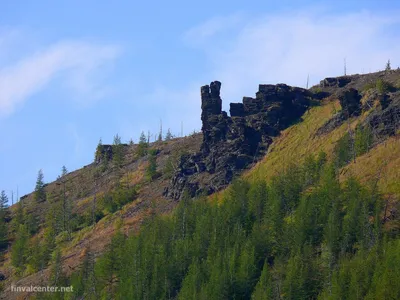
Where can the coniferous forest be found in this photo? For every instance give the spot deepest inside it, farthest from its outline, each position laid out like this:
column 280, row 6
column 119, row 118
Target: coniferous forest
column 300, row 236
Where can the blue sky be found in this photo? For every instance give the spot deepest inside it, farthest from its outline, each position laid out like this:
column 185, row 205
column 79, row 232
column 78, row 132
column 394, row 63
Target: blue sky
column 72, row 72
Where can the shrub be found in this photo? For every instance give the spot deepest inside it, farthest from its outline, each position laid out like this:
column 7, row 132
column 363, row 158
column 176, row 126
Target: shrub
column 383, row 86
column 362, row 140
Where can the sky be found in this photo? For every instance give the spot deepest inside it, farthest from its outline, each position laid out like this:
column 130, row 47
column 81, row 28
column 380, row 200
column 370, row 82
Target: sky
column 72, row 72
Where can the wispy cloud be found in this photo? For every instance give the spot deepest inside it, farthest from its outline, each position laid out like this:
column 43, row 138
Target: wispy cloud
column 72, row 61
column 285, row 47
column 210, row 28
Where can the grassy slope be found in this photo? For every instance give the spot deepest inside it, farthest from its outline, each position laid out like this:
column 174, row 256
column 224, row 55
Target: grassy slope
column 296, row 142
column 292, row 146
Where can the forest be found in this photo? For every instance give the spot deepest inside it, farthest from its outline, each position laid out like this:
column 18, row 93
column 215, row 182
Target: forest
column 303, row 235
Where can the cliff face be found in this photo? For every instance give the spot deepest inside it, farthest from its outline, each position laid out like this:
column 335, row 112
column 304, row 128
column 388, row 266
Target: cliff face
column 232, row 143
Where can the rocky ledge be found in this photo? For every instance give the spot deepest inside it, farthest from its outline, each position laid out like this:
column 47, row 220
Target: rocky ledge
column 232, row 143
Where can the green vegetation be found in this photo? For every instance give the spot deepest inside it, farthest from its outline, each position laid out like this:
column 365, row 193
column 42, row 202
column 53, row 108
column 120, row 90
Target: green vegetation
column 388, row 67
column 302, row 236
column 143, row 145
column 348, row 148
column 117, row 149
column 383, row 86
column 151, row 170
column 98, row 152
column 168, row 136
column 116, row 199
column 64, row 171
column 3, row 216
column 40, row 194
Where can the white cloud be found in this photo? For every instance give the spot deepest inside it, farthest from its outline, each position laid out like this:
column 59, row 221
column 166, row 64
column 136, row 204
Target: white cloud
column 73, row 61
column 285, row 47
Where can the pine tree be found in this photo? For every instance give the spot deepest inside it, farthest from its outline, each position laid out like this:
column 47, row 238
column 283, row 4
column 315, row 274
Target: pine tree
column 36, row 255
column 388, row 67
column 263, row 289
column 151, row 171
column 143, row 145
column 40, row 194
column 3, row 224
column 117, row 151
column 3, row 201
column 19, row 216
column 88, row 276
column 160, row 135
column 56, row 273
column 97, row 155
column 64, row 171
column 168, row 136
column 19, row 249
column 110, row 264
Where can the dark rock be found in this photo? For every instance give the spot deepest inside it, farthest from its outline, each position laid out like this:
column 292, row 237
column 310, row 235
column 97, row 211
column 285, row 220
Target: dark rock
column 2, row 277
column 231, row 144
column 385, row 121
column 350, row 100
column 236, row 110
column 335, row 82
column 384, row 100
column 331, row 124
column 105, row 153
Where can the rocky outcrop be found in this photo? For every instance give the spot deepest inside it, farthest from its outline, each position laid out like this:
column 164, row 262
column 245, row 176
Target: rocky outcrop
column 104, row 152
column 341, row 81
column 350, row 101
column 232, row 143
column 384, row 121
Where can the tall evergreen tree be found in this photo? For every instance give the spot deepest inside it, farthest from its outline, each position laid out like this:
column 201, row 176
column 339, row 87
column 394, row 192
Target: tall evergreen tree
column 98, row 153
column 160, row 134
column 3, row 224
column 143, row 145
column 19, row 248
column 64, row 171
column 388, row 67
column 3, row 201
column 40, row 194
column 151, row 170
column 117, row 151
column 168, row 136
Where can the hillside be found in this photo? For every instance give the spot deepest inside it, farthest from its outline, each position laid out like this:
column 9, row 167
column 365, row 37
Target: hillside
column 270, row 139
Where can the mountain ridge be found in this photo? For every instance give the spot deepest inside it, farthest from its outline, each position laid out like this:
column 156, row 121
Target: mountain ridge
column 285, row 144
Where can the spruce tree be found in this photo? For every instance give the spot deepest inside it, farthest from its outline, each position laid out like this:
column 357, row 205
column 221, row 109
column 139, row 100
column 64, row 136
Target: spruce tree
column 98, row 153
column 160, row 133
column 40, row 194
column 151, row 170
column 168, row 136
column 3, row 224
column 142, row 147
column 64, row 171
column 3, row 201
column 19, row 249
column 117, row 151
column 388, row 67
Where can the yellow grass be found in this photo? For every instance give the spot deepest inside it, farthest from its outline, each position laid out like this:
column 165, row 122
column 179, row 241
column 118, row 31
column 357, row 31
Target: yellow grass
column 300, row 140
column 381, row 163
column 296, row 142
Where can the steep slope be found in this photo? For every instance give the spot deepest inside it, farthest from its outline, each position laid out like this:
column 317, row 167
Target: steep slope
column 320, row 128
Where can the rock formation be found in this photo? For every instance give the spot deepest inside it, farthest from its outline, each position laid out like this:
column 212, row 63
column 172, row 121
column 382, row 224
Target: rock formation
column 104, row 152
column 335, row 81
column 350, row 101
column 232, row 143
